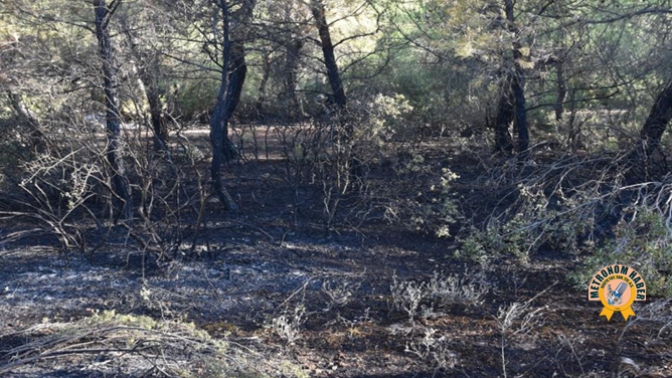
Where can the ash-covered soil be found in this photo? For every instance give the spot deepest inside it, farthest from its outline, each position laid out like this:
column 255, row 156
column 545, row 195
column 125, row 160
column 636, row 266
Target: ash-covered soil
column 271, row 281
column 349, row 326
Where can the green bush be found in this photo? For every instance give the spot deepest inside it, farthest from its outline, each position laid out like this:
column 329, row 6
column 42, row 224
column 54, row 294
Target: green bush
column 642, row 242
column 532, row 224
column 435, row 211
column 198, row 98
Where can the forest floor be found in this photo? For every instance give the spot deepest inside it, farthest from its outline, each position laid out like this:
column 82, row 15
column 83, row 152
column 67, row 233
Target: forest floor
column 259, row 266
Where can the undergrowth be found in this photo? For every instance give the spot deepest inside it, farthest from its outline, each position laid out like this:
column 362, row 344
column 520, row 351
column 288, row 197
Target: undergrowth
column 144, row 346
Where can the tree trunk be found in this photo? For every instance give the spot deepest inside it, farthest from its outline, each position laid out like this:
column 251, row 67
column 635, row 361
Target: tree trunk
column 520, row 117
column 120, row 187
column 318, row 10
column 217, row 138
column 518, row 84
column 562, row 90
column 236, row 68
column 237, row 76
column 340, row 100
column 148, row 74
column 263, row 84
column 659, row 117
column 158, row 118
column 150, row 90
column 236, row 80
column 220, row 115
column 504, row 118
column 293, row 51
column 574, row 135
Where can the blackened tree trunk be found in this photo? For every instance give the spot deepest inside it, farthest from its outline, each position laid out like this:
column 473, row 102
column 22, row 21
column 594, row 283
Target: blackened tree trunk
column 504, row 118
column 236, row 68
column 346, row 133
column 518, row 84
column 237, row 76
column 263, row 84
column 318, row 10
column 520, row 115
column 292, row 55
column 120, row 186
column 220, row 115
column 148, row 73
column 158, row 118
column 340, row 100
column 236, row 80
column 562, row 90
column 659, row 117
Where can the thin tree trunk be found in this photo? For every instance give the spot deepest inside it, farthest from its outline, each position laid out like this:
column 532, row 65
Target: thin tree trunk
column 573, row 137
column 293, row 51
column 340, row 100
column 518, row 84
column 120, row 185
column 263, row 84
column 150, row 89
column 236, row 80
column 158, row 118
column 148, row 74
column 504, row 118
column 219, row 117
column 236, row 67
column 659, row 117
column 237, row 76
column 520, row 117
column 318, row 10
column 562, row 90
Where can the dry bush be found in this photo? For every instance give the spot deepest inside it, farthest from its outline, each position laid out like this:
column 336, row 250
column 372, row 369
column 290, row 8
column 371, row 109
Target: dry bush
column 338, row 294
column 433, row 350
column 62, row 187
column 334, row 155
column 429, row 299
column 108, row 343
column 288, row 325
column 67, row 191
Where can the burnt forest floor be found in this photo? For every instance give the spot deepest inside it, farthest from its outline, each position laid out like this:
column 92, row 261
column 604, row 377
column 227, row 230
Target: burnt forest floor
column 333, row 293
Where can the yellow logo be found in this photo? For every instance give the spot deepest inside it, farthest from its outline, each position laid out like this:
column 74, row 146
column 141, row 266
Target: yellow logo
column 617, row 287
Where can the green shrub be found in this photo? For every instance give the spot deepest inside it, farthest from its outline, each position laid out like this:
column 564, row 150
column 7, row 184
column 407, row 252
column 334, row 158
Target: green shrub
column 642, row 242
column 387, row 117
column 198, row 98
column 533, row 223
column 497, row 240
column 434, row 211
